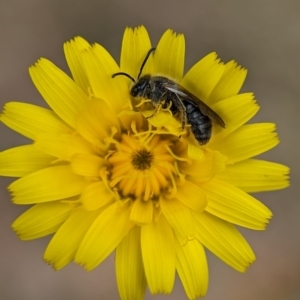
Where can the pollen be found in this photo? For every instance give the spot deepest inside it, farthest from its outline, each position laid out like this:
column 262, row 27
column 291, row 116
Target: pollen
column 142, row 159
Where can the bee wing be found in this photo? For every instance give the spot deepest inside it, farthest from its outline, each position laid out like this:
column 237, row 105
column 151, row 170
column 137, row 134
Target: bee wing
column 189, row 97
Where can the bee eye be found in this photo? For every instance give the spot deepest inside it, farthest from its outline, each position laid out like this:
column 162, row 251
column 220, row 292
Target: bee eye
column 139, row 88
column 135, row 90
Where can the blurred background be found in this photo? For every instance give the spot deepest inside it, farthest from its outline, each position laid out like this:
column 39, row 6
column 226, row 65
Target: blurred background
column 263, row 36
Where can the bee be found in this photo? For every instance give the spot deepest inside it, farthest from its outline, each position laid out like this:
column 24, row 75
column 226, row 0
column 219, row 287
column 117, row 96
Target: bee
column 166, row 93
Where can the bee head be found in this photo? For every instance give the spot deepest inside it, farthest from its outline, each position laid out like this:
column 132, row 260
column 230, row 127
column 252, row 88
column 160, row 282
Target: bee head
column 140, row 88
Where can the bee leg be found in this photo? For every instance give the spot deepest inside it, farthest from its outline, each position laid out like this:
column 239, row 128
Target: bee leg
column 183, row 119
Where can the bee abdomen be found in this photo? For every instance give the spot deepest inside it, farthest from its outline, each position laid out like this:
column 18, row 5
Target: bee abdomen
column 201, row 125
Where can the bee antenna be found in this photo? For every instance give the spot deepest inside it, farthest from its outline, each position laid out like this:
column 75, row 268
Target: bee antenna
column 145, row 60
column 122, row 73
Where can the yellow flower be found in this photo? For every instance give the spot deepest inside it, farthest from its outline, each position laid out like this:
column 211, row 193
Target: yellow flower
column 103, row 177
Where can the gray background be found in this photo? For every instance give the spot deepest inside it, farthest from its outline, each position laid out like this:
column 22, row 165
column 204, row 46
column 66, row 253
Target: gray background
column 262, row 35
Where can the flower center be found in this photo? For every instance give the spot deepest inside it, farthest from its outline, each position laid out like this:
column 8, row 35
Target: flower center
column 142, row 159
column 143, row 166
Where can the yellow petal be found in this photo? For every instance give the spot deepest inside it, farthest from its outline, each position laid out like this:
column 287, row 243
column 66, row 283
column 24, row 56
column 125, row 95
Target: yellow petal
column 247, row 141
column 41, row 219
column 230, row 83
column 96, row 121
column 73, row 52
column 129, row 117
column 100, row 66
column 63, row 146
column 169, row 55
column 254, row 175
column 87, row 164
column 23, row 160
column 142, row 212
column 201, row 79
column 64, row 245
column 101, row 240
column 212, row 163
column 96, row 195
column 235, row 112
column 179, row 217
column 235, row 206
column 135, row 45
column 192, row 196
column 224, row 240
column 191, row 265
column 129, row 267
column 30, row 120
column 158, row 251
column 62, row 94
column 48, row 184
column 195, row 152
